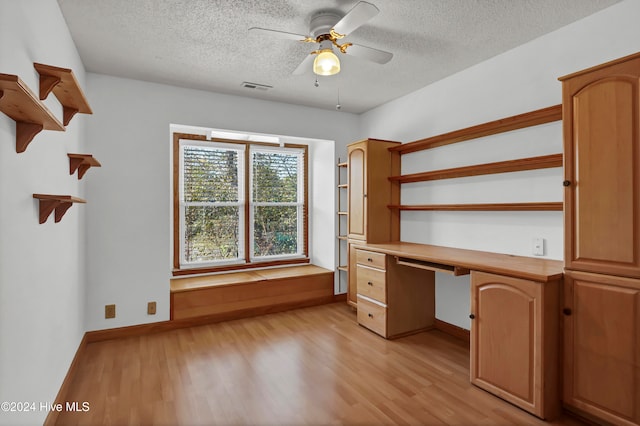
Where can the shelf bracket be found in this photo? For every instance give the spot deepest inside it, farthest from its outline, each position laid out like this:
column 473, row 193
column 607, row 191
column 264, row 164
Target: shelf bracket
column 47, row 83
column 67, row 114
column 25, row 132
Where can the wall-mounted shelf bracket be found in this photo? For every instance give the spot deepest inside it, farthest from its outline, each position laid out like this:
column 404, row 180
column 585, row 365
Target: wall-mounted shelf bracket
column 19, row 103
column 81, row 163
column 62, row 82
column 58, row 203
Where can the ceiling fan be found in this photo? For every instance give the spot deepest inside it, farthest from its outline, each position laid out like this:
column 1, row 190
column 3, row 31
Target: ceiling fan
column 327, row 29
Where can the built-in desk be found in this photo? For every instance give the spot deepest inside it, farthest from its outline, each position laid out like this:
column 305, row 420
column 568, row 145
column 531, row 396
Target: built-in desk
column 530, row 268
column 514, row 310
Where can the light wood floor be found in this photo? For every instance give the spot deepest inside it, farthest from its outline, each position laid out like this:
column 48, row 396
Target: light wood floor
column 308, row 366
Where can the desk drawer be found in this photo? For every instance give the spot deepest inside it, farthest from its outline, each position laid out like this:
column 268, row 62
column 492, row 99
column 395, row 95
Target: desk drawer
column 372, row 316
column 370, row 258
column 372, row 283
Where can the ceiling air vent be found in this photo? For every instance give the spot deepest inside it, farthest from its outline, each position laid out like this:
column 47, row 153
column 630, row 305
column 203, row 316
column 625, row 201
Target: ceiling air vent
column 256, row 86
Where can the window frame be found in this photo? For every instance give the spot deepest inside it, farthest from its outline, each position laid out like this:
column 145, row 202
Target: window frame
column 247, row 212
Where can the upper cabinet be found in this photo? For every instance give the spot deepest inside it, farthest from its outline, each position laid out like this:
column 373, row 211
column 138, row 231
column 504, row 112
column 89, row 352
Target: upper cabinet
column 602, row 167
column 370, row 191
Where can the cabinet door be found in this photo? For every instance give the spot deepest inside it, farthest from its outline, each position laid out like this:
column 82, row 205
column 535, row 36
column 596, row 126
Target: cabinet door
column 602, row 346
column 602, row 166
column 357, row 155
column 508, row 344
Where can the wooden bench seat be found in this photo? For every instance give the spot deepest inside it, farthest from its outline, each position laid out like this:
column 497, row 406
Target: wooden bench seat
column 248, row 293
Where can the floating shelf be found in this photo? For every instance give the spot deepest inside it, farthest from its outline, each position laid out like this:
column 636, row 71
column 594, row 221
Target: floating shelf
column 533, row 118
column 65, row 87
column 343, row 164
column 81, row 163
column 343, row 268
column 59, row 203
column 343, row 186
column 343, row 213
column 21, row 104
column 342, row 237
column 549, row 206
column 531, row 163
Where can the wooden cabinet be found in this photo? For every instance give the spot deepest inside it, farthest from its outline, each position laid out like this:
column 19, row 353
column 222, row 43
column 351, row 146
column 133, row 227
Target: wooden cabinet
column 370, row 191
column 602, row 168
column 601, row 108
column 602, row 346
column 393, row 299
column 370, row 164
column 514, row 340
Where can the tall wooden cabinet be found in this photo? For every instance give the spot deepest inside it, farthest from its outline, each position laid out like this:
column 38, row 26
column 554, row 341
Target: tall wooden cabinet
column 601, row 125
column 370, row 164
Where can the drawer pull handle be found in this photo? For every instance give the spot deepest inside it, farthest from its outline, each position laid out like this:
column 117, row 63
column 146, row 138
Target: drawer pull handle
column 369, row 259
column 369, row 282
column 370, row 315
column 472, row 316
column 566, row 311
column 566, row 183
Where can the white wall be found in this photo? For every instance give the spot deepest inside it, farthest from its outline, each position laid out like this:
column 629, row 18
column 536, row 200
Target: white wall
column 128, row 222
column 41, row 266
column 518, row 81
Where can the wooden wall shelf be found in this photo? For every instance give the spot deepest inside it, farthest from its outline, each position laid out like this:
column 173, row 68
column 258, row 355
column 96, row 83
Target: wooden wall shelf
column 19, row 103
column 548, row 206
column 81, row 163
column 58, row 203
column 65, row 87
column 533, row 118
column 531, row 163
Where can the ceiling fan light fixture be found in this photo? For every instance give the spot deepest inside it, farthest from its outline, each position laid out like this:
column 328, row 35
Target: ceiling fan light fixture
column 326, row 63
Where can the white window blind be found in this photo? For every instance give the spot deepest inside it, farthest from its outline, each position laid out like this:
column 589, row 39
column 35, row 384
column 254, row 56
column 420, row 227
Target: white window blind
column 212, row 203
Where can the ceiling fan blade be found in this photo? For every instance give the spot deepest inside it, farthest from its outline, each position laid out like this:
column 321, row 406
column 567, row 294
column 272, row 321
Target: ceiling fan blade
column 280, row 34
column 306, row 64
column 359, row 15
column 369, row 53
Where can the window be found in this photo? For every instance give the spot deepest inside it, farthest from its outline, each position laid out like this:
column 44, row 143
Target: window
column 238, row 204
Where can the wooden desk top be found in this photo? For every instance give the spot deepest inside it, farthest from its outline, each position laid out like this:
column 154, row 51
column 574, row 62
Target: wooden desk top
column 536, row 269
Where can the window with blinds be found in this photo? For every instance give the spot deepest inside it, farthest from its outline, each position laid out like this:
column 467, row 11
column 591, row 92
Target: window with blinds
column 239, row 204
column 212, row 200
column 277, row 201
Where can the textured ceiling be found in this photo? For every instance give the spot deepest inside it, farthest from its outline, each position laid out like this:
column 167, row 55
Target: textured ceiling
column 205, row 44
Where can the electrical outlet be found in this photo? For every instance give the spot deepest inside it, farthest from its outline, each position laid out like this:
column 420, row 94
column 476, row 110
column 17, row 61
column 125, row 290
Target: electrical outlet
column 151, row 308
column 538, row 247
column 109, row 311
